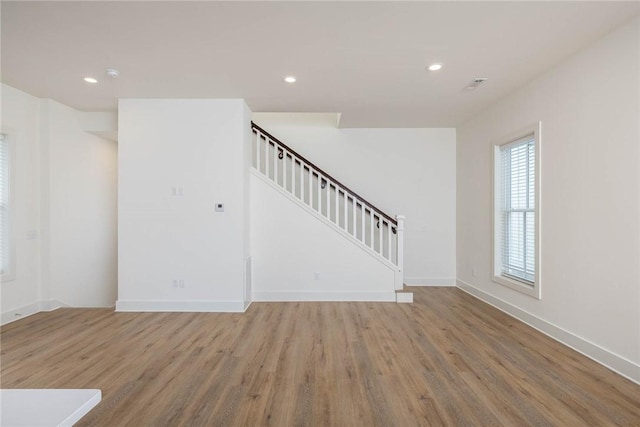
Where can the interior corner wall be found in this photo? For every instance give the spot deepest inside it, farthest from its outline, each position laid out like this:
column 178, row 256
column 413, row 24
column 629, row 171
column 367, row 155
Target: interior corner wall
column 590, row 196
column 64, row 197
column 402, row 171
column 82, row 212
column 178, row 158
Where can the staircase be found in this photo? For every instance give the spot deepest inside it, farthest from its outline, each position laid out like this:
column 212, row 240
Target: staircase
column 373, row 230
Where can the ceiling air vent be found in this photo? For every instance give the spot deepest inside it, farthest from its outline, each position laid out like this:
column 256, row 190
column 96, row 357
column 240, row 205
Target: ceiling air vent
column 475, row 83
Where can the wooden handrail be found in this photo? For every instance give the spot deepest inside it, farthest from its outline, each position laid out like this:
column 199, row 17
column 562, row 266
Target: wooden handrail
column 332, row 181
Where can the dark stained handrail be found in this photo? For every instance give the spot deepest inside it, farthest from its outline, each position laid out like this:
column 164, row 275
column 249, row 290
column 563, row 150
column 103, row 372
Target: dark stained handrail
column 332, row 181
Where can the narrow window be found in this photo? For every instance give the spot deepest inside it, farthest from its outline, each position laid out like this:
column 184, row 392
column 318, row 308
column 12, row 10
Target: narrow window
column 516, row 222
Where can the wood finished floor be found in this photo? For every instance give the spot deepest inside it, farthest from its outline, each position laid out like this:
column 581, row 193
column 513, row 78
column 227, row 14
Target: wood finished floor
column 447, row 359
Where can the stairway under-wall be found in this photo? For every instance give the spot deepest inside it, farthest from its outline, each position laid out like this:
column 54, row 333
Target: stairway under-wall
column 318, row 239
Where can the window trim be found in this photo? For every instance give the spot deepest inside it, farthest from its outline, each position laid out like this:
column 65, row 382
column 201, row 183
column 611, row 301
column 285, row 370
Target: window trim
column 11, row 274
column 534, row 289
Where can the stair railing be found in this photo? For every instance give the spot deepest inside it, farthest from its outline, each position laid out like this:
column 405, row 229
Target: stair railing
column 369, row 225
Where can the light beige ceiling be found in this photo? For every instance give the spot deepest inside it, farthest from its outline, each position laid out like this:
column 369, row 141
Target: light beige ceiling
column 365, row 60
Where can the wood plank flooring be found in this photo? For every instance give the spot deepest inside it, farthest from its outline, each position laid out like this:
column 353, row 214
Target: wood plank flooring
column 448, row 359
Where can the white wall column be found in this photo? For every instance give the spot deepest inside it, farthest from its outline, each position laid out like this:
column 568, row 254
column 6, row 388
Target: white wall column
column 178, row 159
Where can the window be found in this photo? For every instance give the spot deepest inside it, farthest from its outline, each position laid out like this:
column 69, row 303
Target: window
column 6, row 243
column 516, row 213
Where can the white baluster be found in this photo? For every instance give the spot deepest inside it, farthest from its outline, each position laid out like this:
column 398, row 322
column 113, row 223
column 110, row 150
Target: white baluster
column 319, row 194
column 354, row 206
column 293, row 175
column 363, row 218
column 284, row 169
column 346, row 212
column 327, row 189
column 276, row 161
column 373, row 246
column 302, row 181
column 267, row 157
column 310, row 187
column 380, row 242
column 258, row 146
column 389, row 234
column 337, row 207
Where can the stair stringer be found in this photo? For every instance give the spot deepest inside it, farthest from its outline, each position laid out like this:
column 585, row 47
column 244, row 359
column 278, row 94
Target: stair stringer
column 299, row 255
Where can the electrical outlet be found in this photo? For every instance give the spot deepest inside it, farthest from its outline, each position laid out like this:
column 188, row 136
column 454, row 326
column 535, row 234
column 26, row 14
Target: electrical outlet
column 219, row 207
column 177, row 191
column 174, row 283
column 181, row 283
column 316, row 276
column 474, row 272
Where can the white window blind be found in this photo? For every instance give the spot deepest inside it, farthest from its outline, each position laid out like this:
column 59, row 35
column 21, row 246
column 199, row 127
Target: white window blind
column 516, row 219
column 5, row 228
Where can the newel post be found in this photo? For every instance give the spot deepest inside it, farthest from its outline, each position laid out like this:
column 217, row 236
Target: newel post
column 400, row 252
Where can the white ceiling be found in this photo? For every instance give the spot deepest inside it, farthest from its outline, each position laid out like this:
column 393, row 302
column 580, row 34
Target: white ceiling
column 365, row 60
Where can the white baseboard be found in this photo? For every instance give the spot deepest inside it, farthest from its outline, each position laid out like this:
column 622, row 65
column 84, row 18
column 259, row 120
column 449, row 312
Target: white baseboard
column 616, row 363
column 182, row 306
column 404, row 297
column 20, row 313
column 324, row 296
column 51, row 305
column 29, row 310
column 430, row 281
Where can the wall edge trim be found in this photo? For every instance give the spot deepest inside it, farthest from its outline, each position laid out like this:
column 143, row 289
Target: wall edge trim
column 430, row 281
column 328, row 296
column 180, row 306
column 21, row 312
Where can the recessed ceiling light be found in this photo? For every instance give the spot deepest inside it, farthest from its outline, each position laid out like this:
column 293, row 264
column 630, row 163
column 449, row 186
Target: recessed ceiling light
column 290, row 79
column 435, row 67
column 90, row 80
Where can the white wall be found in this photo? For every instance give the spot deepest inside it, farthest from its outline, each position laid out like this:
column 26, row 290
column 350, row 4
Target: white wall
column 590, row 160
column 199, row 147
column 402, row 171
column 299, row 257
column 20, row 121
column 65, row 217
